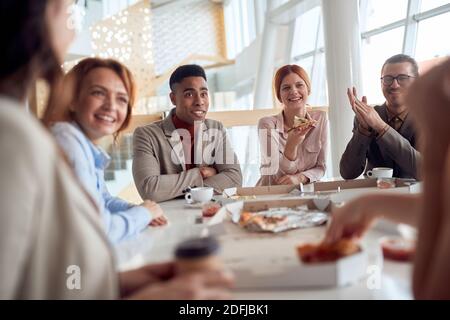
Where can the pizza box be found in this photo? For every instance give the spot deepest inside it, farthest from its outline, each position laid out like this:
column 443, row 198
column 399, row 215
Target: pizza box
column 409, row 184
column 289, row 272
column 261, row 205
column 235, row 207
column 258, row 191
column 270, row 261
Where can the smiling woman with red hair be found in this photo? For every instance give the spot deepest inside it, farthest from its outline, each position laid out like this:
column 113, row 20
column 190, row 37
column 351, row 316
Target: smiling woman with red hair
column 294, row 142
column 100, row 96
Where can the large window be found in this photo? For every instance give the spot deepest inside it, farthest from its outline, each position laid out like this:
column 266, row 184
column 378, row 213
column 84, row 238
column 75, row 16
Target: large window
column 430, row 43
column 308, row 52
column 431, row 4
column 240, row 25
column 382, row 12
column 306, row 32
column 386, row 32
column 375, row 50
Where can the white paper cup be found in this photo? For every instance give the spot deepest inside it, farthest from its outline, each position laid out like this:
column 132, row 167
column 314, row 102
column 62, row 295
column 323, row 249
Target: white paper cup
column 201, row 195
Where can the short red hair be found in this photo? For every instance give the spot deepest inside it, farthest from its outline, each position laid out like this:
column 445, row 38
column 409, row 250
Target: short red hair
column 288, row 69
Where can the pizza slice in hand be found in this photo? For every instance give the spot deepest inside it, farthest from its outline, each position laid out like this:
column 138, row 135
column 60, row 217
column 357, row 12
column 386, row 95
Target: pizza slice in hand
column 314, row 253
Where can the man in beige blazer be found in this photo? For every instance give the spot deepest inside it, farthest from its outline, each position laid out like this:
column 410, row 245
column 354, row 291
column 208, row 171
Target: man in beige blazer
column 185, row 149
column 384, row 136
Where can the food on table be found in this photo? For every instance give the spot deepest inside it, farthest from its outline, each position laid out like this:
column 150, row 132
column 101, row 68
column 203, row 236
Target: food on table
column 386, row 183
column 398, row 248
column 314, row 253
column 210, row 209
column 281, row 219
column 250, row 220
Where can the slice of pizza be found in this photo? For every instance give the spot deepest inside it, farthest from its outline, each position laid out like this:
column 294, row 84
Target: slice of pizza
column 315, row 253
column 260, row 222
column 245, row 218
column 300, row 122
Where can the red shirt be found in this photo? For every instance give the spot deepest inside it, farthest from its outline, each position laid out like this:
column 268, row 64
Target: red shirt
column 188, row 147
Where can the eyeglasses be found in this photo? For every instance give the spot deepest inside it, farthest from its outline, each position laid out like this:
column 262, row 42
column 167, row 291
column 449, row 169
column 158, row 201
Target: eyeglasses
column 402, row 79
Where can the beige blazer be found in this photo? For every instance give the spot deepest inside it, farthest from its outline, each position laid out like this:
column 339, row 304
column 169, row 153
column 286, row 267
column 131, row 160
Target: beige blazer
column 159, row 167
column 52, row 244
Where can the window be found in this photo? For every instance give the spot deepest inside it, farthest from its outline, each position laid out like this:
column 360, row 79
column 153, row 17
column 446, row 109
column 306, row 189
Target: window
column 251, row 20
column 430, row 40
column 305, row 34
column 306, row 64
column 382, row 12
column 375, row 50
column 240, row 25
column 431, row 4
column 229, row 31
column 319, row 85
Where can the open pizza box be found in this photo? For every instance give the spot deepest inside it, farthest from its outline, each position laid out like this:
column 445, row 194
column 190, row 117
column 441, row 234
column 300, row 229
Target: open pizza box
column 406, row 184
column 234, row 208
column 270, row 261
column 249, row 193
column 288, row 272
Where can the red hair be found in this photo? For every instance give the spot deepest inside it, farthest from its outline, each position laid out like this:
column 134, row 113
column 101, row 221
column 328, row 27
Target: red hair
column 60, row 110
column 288, row 69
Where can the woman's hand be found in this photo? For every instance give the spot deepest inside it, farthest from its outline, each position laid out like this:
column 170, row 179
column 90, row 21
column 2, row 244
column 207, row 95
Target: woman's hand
column 295, row 137
column 157, row 214
column 292, row 179
column 350, row 221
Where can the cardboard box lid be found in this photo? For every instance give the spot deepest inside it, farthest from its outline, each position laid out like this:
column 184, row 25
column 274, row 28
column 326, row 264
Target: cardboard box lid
column 358, row 183
column 260, row 190
column 261, row 205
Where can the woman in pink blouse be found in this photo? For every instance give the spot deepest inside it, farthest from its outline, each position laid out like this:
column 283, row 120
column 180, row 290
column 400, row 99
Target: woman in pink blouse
column 292, row 156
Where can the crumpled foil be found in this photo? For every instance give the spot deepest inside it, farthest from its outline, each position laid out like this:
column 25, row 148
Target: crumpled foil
column 281, row 219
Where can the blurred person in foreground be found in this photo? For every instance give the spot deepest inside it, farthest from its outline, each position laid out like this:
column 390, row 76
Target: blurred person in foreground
column 52, row 243
column 428, row 211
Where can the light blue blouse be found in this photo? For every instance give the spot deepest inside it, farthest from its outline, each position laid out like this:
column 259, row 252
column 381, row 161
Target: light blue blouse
column 121, row 218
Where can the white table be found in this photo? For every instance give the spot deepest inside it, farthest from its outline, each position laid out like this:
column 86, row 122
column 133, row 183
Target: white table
column 157, row 244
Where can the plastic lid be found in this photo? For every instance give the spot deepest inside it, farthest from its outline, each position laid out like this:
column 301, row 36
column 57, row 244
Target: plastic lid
column 197, row 248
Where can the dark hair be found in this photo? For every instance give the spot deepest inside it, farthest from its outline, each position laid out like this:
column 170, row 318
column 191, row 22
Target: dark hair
column 400, row 58
column 288, row 69
column 26, row 49
column 60, row 111
column 188, row 70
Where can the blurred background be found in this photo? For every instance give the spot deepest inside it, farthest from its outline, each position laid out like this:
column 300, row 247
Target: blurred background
column 241, row 43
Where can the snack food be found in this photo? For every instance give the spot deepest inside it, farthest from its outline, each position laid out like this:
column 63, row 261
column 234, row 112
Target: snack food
column 385, row 183
column 398, row 248
column 281, row 219
column 210, row 209
column 300, row 122
column 314, row 253
column 259, row 221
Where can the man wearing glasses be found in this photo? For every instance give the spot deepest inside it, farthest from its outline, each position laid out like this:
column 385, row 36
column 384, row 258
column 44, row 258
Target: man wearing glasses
column 384, row 136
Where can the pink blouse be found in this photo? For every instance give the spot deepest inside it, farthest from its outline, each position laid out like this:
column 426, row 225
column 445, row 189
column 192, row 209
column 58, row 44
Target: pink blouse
column 310, row 155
